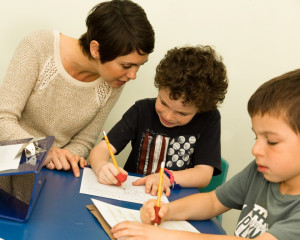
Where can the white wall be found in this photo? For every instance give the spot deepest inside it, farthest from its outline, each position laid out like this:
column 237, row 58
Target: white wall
column 258, row 39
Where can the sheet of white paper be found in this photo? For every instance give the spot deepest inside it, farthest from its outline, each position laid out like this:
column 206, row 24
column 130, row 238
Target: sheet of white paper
column 114, row 214
column 8, row 159
column 136, row 194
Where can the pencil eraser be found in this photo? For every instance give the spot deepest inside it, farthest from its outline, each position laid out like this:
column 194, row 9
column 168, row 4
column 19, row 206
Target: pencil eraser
column 121, row 178
column 157, row 218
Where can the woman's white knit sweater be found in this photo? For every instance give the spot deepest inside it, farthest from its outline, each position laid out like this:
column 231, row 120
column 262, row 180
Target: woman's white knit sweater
column 39, row 98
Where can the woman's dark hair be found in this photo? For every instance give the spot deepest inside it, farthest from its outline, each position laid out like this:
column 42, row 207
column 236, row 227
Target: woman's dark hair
column 120, row 27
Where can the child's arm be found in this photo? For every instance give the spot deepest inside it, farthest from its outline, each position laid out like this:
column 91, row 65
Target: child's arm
column 200, row 206
column 194, row 207
column 148, row 232
column 99, row 159
column 198, row 176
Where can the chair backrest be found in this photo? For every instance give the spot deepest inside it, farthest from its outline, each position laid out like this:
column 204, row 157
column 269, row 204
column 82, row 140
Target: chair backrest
column 217, row 180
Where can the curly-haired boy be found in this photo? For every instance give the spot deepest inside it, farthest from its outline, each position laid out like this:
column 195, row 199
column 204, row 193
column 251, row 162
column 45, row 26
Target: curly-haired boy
column 180, row 127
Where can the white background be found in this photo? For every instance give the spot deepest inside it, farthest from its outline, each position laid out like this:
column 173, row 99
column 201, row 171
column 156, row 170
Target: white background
column 258, row 39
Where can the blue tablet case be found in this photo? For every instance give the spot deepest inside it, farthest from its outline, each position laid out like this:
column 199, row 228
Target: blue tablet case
column 19, row 188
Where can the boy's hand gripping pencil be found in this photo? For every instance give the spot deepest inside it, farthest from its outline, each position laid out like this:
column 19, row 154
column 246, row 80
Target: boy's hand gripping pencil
column 157, row 219
column 120, row 177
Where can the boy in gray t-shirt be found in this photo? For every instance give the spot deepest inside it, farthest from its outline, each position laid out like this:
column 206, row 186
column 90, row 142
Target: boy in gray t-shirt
column 267, row 191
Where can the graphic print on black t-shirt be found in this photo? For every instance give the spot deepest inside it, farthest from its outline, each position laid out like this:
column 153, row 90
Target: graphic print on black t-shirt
column 180, row 151
column 155, row 148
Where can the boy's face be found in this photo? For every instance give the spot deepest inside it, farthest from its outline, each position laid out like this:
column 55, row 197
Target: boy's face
column 277, row 150
column 173, row 113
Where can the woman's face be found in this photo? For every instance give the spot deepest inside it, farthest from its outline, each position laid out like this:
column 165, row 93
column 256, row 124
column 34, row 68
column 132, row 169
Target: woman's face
column 122, row 69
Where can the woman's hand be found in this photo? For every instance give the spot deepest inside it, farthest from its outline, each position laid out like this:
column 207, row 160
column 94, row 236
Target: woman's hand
column 108, row 172
column 63, row 159
column 151, row 183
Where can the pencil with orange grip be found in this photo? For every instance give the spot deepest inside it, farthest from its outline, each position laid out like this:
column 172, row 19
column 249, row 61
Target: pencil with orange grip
column 120, row 177
column 157, row 219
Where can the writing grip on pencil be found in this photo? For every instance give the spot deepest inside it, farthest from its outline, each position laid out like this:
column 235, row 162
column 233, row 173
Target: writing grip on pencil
column 157, row 219
column 121, row 178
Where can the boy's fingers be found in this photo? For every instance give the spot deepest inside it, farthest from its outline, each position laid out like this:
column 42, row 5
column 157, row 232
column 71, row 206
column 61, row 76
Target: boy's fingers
column 154, row 190
column 168, row 192
column 148, row 186
column 123, row 171
column 139, row 182
column 163, row 211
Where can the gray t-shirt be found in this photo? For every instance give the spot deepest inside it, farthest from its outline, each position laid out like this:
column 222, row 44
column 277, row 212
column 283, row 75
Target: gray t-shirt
column 263, row 207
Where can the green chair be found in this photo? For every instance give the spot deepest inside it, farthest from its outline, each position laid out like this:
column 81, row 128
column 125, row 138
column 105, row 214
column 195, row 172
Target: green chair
column 217, row 181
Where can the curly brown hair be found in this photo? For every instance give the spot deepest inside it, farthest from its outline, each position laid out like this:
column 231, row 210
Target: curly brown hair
column 195, row 74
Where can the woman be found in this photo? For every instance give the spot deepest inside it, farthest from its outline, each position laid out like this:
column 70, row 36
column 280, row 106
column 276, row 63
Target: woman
column 65, row 87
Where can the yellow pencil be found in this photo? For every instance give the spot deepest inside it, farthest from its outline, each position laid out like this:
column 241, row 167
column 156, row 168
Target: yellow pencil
column 159, row 192
column 111, row 154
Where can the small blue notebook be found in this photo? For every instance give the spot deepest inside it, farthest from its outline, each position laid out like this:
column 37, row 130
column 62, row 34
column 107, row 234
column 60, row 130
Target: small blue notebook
column 19, row 188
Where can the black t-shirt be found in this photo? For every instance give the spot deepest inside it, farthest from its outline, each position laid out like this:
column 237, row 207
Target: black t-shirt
column 182, row 147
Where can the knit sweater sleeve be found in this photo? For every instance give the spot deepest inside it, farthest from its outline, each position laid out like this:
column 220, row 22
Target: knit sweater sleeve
column 85, row 140
column 20, row 78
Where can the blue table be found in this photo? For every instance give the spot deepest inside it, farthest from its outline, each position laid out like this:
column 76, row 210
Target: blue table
column 60, row 213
